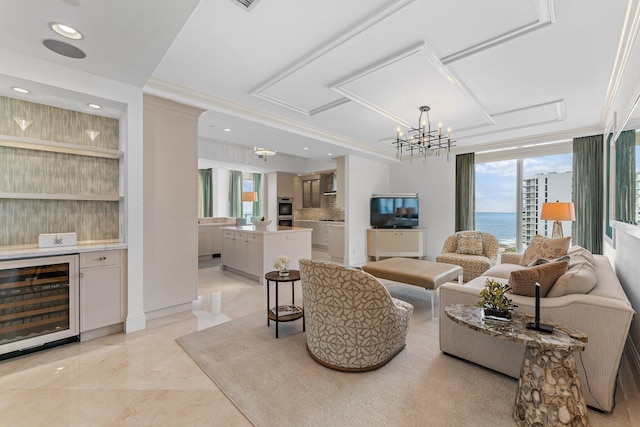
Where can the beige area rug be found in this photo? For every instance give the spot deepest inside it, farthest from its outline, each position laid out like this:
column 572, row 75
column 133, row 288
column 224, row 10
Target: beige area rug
column 274, row 382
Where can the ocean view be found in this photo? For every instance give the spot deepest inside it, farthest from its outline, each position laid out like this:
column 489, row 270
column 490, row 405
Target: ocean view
column 500, row 224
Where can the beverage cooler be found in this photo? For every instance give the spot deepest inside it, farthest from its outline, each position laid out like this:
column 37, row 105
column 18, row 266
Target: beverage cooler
column 38, row 303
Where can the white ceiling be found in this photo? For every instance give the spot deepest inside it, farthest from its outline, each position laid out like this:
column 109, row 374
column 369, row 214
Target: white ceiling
column 339, row 76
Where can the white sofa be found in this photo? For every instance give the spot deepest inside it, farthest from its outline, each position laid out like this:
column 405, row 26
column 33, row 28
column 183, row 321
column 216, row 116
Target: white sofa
column 604, row 314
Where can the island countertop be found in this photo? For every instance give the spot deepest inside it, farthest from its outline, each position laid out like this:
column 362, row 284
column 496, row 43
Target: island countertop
column 271, row 229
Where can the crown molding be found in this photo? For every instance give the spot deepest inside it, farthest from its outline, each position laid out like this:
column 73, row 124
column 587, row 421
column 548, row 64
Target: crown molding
column 188, row 96
column 626, row 45
column 546, row 16
column 334, row 43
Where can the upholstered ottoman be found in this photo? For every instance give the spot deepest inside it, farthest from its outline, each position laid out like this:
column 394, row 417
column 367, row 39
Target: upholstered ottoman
column 425, row 274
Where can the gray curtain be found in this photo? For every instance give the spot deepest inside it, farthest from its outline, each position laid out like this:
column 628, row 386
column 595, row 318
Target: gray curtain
column 206, row 202
column 625, row 203
column 588, row 154
column 257, row 187
column 465, row 191
column 235, row 194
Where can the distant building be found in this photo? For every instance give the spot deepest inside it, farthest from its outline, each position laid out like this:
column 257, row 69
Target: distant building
column 637, row 197
column 536, row 190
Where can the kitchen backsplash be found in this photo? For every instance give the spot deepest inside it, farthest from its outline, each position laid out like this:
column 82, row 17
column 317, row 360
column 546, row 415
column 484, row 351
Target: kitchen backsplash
column 316, row 214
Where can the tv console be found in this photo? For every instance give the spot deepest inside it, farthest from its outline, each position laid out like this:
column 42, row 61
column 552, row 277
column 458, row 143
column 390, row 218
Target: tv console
column 395, row 242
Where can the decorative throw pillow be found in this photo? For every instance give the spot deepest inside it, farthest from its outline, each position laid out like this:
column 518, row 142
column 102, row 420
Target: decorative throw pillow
column 470, row 244
column 523, row 282
column 581, row 278
column 545, row 261
column 543, row 247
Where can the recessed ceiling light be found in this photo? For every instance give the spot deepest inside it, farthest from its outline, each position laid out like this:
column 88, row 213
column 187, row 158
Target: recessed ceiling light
column 305, row 148
column 227, row 130
column 329, row 154
column 20, row 89
column 65, row 31
column 96, row 106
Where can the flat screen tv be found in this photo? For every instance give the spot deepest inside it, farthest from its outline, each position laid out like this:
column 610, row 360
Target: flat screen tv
column 394, row 211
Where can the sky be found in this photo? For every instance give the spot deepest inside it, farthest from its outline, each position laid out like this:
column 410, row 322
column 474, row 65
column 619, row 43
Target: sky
column 496, row 181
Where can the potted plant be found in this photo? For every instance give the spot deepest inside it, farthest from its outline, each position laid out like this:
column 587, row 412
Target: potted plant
column 494, row 301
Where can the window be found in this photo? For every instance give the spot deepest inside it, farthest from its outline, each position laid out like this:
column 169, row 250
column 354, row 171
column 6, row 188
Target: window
column 247, row 187
column 510, row 194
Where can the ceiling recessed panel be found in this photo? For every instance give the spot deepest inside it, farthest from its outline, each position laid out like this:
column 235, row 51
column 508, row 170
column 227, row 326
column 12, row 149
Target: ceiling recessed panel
column 520, row 118
column 397, row 88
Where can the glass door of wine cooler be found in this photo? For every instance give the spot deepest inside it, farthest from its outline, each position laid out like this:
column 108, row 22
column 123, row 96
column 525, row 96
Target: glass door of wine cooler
column 38, row 302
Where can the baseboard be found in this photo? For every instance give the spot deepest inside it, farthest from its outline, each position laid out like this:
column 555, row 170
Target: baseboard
column 101, row 332
column 135, row 323
column 633, row 360
column 167, row 311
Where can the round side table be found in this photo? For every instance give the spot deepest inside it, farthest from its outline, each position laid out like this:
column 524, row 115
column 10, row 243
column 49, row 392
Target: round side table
column 283, row 313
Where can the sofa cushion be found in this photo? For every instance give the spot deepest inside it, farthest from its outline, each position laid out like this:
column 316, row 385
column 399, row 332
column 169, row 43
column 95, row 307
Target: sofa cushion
column 543, row 247
column 579, row 279
column 470, row 244
column 578, row 253
column 523, row 282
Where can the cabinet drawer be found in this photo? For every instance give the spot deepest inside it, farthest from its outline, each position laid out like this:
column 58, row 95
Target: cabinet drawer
column 97, row 259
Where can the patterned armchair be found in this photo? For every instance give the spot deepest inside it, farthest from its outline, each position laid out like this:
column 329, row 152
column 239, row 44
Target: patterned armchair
column 352, row 323
column 474, row 251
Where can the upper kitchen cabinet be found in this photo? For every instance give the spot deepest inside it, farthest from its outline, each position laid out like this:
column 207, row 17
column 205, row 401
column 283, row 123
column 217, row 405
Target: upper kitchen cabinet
column 311, row 193
column 285, row 184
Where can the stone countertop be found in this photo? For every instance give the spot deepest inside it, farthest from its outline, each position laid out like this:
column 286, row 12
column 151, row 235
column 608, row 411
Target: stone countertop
column 515, row 329
column 328, row 221
column 10, row 254
column 271, row 229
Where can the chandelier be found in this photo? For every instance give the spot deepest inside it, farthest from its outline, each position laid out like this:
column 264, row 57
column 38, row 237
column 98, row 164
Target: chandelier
column 422, row 141
column 263, row 152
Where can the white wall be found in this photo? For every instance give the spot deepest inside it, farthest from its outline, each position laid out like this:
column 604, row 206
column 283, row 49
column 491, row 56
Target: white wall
column 434, row 181
column 363, row 177
column 170, row 201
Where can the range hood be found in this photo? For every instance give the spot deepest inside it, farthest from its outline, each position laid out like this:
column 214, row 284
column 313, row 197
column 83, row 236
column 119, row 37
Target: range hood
column 331, row 185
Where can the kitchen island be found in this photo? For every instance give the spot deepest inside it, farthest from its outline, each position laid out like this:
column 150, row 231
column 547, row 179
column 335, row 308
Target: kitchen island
column 251, row 251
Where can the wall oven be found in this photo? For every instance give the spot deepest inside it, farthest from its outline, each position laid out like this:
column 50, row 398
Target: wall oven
column 285, row 211
column 39, row 303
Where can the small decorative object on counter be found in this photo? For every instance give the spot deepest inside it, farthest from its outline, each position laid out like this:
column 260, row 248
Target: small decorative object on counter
column 282, row 265
column 494, row 301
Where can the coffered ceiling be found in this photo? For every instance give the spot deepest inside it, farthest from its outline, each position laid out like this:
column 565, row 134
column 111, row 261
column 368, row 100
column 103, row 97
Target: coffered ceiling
column 340, row 77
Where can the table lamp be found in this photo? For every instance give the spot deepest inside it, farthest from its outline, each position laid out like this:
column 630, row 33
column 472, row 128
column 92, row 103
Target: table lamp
column 249, row 196
column 557, row 211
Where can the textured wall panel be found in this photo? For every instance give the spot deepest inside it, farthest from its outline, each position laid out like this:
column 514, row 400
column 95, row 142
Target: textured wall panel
column 57, row 124
column 30, row 171
column 41, row 172
column 24, row 220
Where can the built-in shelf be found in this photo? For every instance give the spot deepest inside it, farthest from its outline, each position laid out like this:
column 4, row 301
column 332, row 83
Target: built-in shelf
column 42, row 196
column 58, row 147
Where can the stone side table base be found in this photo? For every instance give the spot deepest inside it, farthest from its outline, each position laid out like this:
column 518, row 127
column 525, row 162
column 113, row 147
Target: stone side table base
column 549, row 391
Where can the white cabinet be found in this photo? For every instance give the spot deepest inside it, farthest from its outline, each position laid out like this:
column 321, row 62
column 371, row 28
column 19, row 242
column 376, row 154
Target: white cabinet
column 320, row 233
column 395, row 243
column 253, row 252
column 336, row 243
column 102, row 282
column 210, row 239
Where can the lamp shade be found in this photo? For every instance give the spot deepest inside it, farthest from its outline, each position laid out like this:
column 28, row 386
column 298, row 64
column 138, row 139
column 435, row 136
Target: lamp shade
column 558, row 211
column 249, row 196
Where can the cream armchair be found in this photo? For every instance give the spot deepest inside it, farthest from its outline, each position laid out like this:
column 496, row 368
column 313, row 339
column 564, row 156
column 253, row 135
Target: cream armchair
column 352, row 323
column 474, row 251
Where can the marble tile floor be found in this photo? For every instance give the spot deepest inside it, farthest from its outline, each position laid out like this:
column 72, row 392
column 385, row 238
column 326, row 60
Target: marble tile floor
column 138, row 379
column 142, row 378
